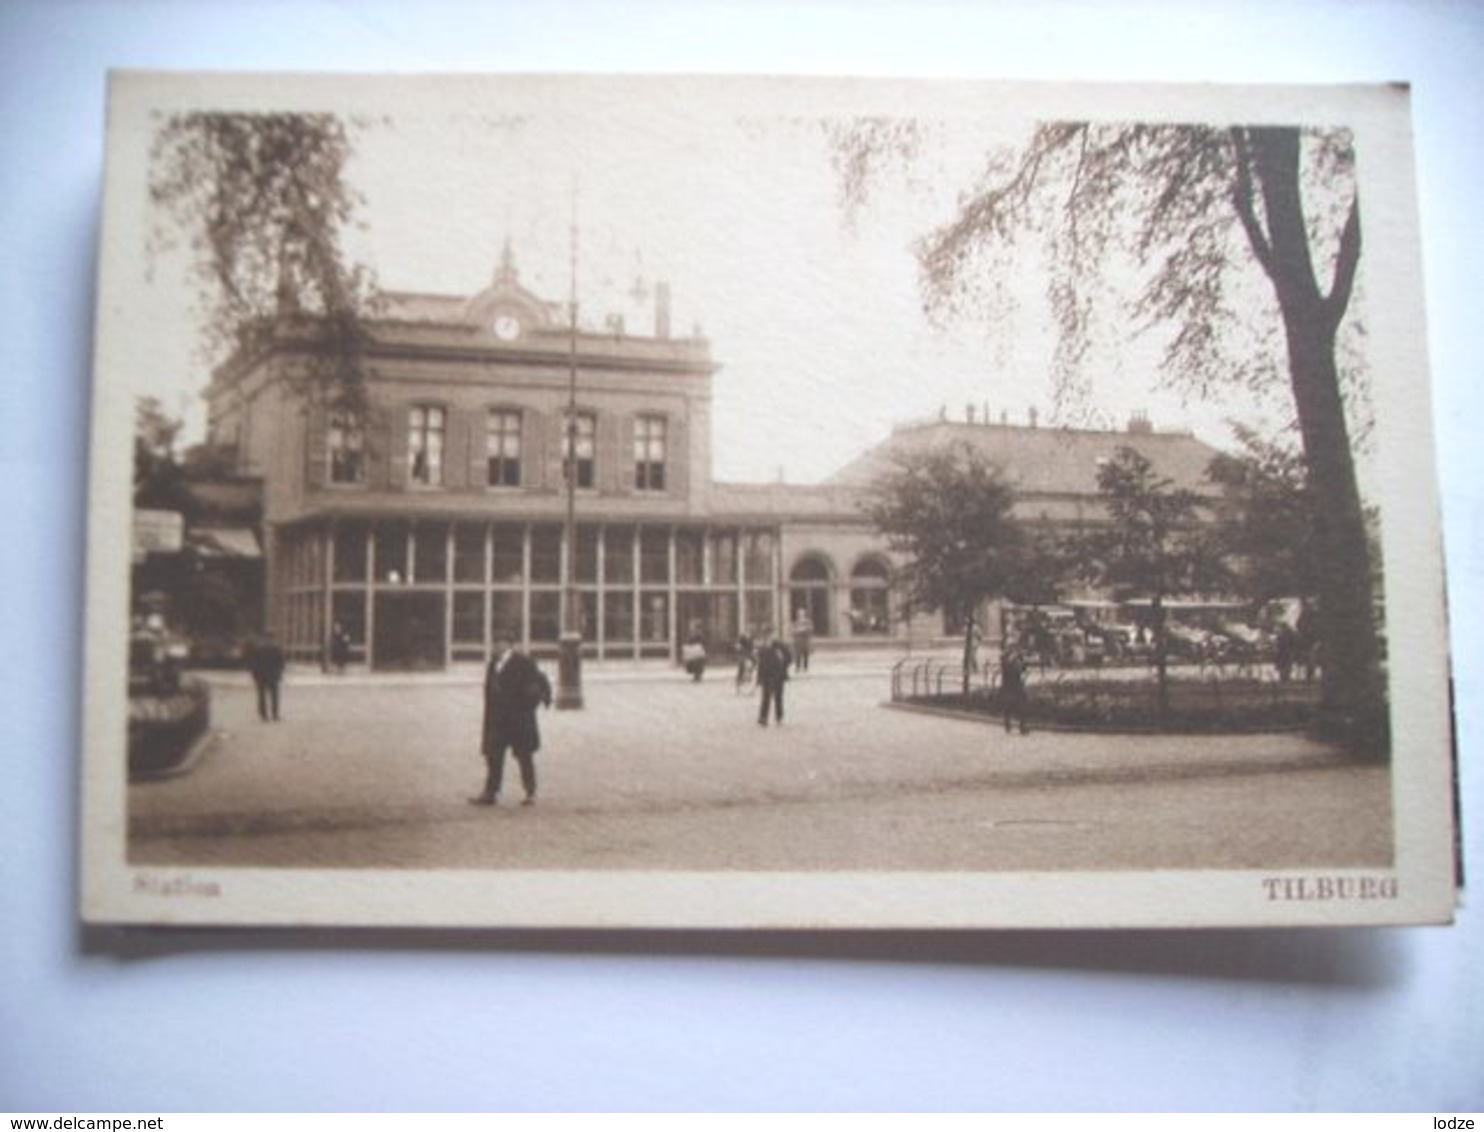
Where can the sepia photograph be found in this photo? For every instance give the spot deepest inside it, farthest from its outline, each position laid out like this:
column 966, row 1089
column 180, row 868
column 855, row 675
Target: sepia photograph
column 762, row 503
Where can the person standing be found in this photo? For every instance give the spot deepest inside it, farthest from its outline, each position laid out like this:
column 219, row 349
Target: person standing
column 773, row 663
column 339, row 647
column 514, row 687
column 746, row 660
column 693, row 654
column 1013, row 696
column 266, row 662
column 1285, row 651
column 972, row 636
column 803, row 639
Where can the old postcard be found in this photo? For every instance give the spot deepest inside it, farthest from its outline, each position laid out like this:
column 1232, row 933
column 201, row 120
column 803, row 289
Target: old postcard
column 761, row 503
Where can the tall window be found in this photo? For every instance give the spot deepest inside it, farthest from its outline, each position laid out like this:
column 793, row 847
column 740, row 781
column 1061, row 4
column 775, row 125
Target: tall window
column 584, row 438
column 346, row 448
column 649, row 453
column 425, row 427
column 347, row 444
column 502, row 448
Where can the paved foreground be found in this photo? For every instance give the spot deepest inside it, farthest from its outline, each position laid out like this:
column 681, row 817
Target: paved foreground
column 657, row 772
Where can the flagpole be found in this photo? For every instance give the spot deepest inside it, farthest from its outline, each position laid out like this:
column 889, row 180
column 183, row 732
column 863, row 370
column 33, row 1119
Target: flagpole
column 569, row 664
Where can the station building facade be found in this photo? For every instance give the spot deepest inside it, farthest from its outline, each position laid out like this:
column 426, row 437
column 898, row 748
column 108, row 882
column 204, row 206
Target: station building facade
column 435, row 514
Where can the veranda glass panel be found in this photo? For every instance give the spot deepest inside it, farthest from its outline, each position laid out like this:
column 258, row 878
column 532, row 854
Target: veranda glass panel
column 654, row 556
column 350, row 552
column 546, row 554
column 468, row 552
column 468, row 618
column 689, row 558
column 618, row 617
column 430, row 553
column 546, row 609
column 507, row 558
column 724, row 559
column 505, row 615
column 391, row 553
column 758, row 547
column 760, row 613
column 587, row 554
column 618, row 554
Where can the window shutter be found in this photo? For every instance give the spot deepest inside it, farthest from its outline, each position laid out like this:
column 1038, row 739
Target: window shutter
column 534, row 473
column 317, row 445
column 623, row 464
column 455, row 449
column 677, row 455
column 607, row 450
column 396, row 447
column 475, row 432
column 377, row 448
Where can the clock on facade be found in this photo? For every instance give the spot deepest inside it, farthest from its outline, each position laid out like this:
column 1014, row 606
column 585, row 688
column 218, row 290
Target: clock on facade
column 507, row 327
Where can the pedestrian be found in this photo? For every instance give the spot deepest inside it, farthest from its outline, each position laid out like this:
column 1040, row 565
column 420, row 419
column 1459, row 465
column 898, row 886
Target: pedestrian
column 803, row 639
column 514, row 687
column 339, row 647
column 746, row 659
column 1285, row 651
column 266, row 662
column 972, row 636
column 693, row 654
column 1307, row 647
column 1014, row 699
column 773, row 662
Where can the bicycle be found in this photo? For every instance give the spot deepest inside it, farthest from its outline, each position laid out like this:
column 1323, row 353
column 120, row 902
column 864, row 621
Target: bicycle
column 746, row 672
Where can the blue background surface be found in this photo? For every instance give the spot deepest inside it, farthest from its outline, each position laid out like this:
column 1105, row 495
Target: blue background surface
column 302, row 1021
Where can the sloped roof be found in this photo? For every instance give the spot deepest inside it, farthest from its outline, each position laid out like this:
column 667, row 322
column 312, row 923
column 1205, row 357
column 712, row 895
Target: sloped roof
column 1055, row 461
column 407, row 306
column 237, row 500
column 790, row 501
column 225, row 542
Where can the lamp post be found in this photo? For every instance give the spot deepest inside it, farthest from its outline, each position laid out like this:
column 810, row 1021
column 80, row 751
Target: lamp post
column 569, row 662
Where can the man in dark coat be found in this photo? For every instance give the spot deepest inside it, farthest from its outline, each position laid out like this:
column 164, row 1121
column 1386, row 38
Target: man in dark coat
column 265, row 660
column 773, row 661
column 514, row 687
column 1014, row 699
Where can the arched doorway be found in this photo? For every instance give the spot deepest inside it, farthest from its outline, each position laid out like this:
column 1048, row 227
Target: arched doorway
column 809, row 592
column 870, row 606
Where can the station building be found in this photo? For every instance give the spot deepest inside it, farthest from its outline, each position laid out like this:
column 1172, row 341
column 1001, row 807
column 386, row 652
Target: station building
column 436, row 514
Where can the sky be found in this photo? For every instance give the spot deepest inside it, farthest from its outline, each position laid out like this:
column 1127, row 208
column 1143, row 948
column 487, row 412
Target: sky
column 813, row 311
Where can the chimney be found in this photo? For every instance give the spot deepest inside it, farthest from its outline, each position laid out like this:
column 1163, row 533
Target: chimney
column 1138, row 423
column 969, row 412
column 662, row 310
column 1032, row 416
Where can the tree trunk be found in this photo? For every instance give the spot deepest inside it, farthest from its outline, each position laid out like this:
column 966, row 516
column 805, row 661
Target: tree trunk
column 1351, row 699
column 1161, row 657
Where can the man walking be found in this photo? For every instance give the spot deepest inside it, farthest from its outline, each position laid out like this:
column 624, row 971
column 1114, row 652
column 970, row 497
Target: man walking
column 773, row 662
column 266, row 662
column 1013, row 696
column 514, row 687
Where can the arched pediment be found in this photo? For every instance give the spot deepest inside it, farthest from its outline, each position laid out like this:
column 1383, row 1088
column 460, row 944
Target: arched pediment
column 506, row 309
